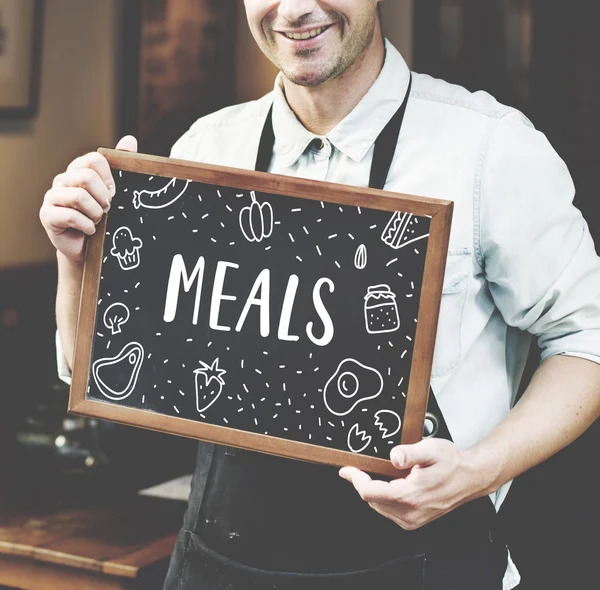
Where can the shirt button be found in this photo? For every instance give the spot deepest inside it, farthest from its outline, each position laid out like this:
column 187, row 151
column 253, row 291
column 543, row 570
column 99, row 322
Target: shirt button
column 317, row 143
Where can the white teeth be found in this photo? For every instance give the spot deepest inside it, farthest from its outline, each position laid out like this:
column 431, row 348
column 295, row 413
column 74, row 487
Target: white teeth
column 306, row 35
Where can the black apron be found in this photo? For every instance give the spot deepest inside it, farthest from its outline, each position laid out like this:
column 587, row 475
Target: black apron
column 258, row 522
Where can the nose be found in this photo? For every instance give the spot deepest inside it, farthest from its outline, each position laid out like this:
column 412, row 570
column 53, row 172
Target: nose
column 294, row 10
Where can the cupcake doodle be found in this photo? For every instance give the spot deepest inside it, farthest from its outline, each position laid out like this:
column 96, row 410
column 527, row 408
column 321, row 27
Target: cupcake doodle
column 126, row 248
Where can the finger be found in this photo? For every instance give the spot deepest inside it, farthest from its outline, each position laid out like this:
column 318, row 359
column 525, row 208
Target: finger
column 75, row 198
column 97, row 162
column 128, row 144
column 353, row 474
column 370, row 490
column 88, row 179
column 60, row 219
column 408, row 456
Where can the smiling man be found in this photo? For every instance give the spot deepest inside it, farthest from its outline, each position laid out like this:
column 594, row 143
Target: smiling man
column 346, row 109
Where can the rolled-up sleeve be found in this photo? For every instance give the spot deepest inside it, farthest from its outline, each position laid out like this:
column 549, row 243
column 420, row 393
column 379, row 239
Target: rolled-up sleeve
column 64, row 373
column 535, row 247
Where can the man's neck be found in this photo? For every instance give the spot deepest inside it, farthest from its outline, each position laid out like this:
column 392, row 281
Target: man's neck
column 322, row 107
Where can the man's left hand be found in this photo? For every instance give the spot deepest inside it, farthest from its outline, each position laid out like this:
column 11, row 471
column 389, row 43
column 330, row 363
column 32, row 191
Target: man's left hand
column 438, row 477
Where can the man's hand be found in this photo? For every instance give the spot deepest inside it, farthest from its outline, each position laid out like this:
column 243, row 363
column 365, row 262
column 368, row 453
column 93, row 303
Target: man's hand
column 440, row 478
column 72, row 208
column 77, row 200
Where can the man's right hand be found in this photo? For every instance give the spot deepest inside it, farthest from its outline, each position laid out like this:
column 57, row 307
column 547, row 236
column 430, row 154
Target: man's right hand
column 77, row 200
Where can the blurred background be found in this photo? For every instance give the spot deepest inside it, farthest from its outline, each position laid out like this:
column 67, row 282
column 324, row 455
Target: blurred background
column 78, row 74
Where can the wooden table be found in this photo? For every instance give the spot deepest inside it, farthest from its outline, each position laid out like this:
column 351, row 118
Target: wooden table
column 111, row 546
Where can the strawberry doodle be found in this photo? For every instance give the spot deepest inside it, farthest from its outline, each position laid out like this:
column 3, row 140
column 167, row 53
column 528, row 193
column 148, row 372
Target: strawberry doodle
column 209, row 384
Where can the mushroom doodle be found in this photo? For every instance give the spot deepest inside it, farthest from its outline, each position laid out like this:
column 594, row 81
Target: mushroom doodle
column 115, row 316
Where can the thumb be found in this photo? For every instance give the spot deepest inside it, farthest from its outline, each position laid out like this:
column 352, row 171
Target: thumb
column 408, row 456
column 128, row 144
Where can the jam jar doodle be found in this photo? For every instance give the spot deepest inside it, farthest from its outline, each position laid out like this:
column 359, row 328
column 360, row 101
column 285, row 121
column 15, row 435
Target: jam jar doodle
column 381, row 310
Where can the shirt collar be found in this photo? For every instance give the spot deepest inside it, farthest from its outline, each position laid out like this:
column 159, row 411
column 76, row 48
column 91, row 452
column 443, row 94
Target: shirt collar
column 357, row 132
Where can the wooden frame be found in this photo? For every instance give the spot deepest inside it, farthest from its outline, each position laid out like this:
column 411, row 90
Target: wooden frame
column 20, row 57
column 439, row 211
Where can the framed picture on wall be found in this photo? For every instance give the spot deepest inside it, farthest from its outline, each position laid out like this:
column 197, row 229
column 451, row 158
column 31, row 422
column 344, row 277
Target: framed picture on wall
column 20, row 55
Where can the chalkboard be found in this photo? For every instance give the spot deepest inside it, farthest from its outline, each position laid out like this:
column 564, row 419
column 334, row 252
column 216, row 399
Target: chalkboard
column 282, row 315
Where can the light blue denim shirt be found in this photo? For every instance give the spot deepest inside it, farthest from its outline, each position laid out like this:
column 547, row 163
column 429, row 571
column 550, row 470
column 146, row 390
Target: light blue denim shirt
column 521, row 263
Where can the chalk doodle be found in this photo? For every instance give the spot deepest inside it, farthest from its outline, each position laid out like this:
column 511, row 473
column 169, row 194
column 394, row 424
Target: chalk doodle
column 126, row 248
column 360, row 258
column 401, row 230
column 108, row 372
column 351, row 384
column 381, row 310
column 115, row 316
column 207, row 392
column 358, row 440
column 388, row 422
column 256, row 220
column 163, row 197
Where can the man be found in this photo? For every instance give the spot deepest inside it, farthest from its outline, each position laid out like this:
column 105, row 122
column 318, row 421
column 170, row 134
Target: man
column 521, row 263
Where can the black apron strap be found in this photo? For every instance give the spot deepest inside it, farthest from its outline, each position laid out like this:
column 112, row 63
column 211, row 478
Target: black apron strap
column 266, row 144
column 385, row 146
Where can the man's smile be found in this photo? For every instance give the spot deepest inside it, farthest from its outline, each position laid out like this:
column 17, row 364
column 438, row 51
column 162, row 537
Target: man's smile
column 304, row 34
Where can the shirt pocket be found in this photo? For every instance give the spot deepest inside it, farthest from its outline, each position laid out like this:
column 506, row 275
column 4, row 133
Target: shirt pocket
column 454, row 295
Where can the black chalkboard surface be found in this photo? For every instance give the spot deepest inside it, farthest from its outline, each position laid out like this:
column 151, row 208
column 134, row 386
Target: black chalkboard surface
column 282, row 315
